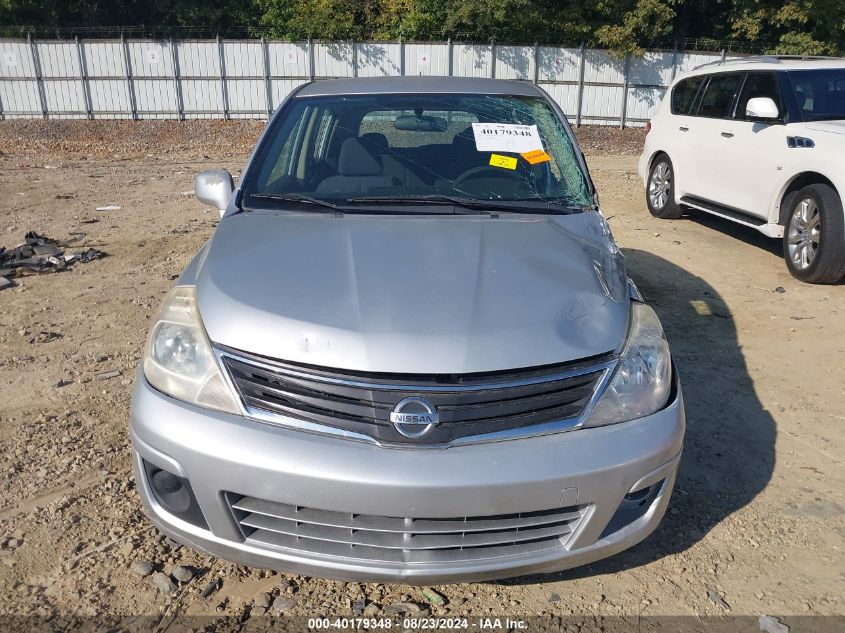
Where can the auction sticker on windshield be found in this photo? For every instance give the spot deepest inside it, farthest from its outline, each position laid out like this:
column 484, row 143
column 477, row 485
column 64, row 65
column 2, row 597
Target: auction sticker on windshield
column 508, row 162
column 506, row 137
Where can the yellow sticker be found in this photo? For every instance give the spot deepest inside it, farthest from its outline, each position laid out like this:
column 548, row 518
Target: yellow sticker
column 497, row 160
column 536, row 157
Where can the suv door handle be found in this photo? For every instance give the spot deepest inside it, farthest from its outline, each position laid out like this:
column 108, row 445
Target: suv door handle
column 684, row 128
column 728, row 134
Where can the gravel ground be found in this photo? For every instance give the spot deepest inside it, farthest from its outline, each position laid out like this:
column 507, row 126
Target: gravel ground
column 757, row 519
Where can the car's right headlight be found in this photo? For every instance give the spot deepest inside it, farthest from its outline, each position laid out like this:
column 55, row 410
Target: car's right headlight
column 178, row 360
column 642, row 380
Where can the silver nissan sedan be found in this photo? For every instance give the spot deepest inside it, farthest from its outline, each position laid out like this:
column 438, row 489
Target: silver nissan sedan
column 410, row 352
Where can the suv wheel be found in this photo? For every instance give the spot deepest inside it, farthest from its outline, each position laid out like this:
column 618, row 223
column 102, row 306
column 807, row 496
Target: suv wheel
column 814, row 240
column 660, row 191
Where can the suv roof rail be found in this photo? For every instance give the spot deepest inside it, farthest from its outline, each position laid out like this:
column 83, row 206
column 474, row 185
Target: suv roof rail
column 762, row 59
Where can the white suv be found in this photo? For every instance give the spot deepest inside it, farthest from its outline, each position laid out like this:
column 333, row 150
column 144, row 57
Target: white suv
column 760, row 141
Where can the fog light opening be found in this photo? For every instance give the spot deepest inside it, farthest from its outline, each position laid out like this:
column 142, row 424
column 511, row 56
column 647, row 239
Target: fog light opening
column 640, row 496
column 174, row 494
column 170, row 492
column 634, row 506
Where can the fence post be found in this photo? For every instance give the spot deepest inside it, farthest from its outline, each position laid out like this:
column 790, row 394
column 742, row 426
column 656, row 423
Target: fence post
column 268, row 83
column 177, row 81
column 536, row 62
column 83, row 77
column 129, row 82
column 580, row 87
column 223, row 86
column 310, row 58
column 401, row 57
column 354, row 58
column 625, row 92
column 449, row 55
column 492, row 58
column 39, row 78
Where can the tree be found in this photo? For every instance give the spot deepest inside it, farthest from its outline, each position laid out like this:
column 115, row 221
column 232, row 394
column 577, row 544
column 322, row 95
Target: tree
column 630, row 26
column 799, row 27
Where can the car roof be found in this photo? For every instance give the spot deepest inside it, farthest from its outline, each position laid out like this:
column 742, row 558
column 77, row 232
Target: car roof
column 769, row 63
column 423, row 85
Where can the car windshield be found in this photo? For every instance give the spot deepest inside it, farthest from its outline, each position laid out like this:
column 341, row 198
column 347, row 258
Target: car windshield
column 417, row 149
column 820, row 93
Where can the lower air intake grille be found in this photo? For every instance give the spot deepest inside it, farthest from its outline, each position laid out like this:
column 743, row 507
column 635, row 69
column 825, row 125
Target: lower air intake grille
column 401, row 540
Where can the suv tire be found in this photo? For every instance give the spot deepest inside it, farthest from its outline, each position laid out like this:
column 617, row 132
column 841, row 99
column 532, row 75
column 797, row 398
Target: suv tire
column 814, row 235
column 660, row 190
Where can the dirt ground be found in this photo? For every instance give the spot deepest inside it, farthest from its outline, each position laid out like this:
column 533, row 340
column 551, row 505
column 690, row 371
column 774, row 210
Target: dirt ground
column 757, row 521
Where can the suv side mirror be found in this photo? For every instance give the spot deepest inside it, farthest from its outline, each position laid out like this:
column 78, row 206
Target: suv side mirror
column 762, row 109
column 214, row 187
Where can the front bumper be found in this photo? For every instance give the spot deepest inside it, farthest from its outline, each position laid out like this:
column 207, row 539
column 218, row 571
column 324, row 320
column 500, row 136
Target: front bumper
column 219, row 452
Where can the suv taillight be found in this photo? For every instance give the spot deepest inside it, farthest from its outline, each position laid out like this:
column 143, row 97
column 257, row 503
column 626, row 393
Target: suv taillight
column 647, row 128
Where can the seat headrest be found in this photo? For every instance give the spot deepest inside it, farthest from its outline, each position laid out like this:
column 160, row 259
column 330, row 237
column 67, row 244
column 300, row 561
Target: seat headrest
column 355, row 160
column 374, row 141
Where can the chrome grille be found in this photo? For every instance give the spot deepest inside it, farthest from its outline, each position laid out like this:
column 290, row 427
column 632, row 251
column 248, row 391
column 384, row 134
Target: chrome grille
column 401, row 540
column 467, row 404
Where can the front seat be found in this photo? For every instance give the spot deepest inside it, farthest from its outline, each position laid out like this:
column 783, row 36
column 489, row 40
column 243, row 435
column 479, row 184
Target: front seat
column 358, row 171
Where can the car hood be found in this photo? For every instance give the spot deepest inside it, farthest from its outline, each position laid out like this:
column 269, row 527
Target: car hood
column 437, row 294
column 834, row 127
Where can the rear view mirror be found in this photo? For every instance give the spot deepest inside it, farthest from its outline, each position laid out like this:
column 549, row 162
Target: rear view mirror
column 214, row 187
column 420, row 123
column 762, row 109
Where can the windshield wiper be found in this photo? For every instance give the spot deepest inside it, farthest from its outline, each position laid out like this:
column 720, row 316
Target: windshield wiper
column 298, row 198
column 476, row 205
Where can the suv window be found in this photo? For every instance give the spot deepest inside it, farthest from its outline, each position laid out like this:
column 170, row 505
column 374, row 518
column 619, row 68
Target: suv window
column 684, row 93
column 718, row 96
column 820, row 93
column 758, row 85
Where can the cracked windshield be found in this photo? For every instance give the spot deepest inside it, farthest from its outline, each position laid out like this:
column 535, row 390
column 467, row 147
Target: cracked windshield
column 416, row 149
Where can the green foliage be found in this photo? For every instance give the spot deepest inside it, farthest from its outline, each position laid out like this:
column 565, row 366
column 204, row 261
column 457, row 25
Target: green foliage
column 793, row 27
column 626, row 27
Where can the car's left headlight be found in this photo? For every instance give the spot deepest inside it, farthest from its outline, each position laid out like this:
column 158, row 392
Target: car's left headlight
column 642, row 380
column 178, row 360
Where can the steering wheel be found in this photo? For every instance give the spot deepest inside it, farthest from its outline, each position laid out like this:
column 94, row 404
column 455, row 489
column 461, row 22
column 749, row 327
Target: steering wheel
column 475, row 172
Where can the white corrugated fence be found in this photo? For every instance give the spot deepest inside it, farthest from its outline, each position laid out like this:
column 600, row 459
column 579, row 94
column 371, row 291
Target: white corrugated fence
column 226, row 79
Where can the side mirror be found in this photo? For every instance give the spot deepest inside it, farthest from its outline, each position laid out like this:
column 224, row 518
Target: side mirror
column 762, row 109
column 214, row 187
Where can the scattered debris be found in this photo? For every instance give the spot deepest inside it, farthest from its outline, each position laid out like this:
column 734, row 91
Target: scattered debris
column 716, row 598
column 5, row 282
column 108, row 207
column 770, row 624
column 141, row 568
column 210, row 588
column 41, row 254
column 114, row 373
column 63, row 382
column 554, row 598
column 433, row 597
column 44, row 337
column 780, row 290
column 263, row 600
column 358, row 606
